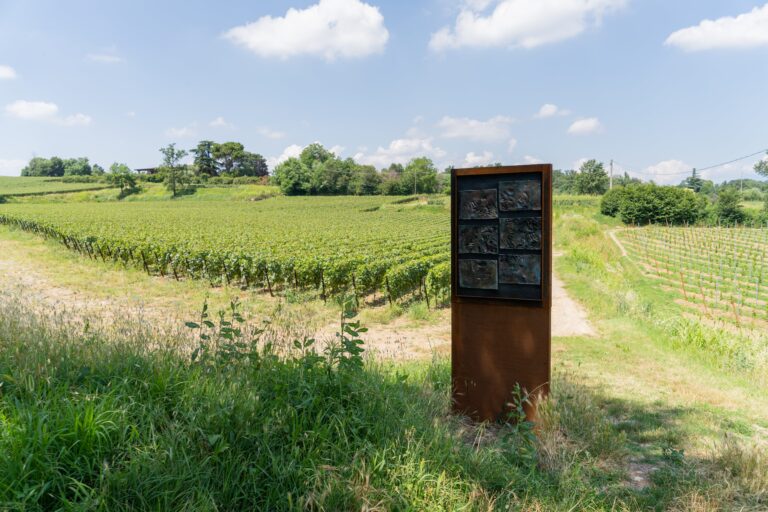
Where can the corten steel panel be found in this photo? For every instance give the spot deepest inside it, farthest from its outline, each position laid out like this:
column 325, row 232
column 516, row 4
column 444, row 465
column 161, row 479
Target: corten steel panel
column 498, row 341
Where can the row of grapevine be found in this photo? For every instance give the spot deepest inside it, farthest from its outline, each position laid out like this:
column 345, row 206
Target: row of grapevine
column 721, row 272
column 329, row 245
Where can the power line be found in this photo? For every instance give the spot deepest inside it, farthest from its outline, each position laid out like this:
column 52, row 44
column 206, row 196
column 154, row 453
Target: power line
column 734, row 160
column 680, row 173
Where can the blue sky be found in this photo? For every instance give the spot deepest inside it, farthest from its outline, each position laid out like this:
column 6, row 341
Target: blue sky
column 658, row 86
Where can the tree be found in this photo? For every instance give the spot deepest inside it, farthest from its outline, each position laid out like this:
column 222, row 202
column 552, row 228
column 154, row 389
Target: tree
column 293, row 177
column 77, row 167
column 420, row 176
column 38, row 166
column 204, row 159
column 332, row 176
column 592, row 178
column 761, row 167
column 694, row 182
column 97, row 170
column 564, row 182
column 176, row 175
column 251, row 164
column 728, row 207
column 227, row 155
column 625, row 180
column 313, row 153
column 365, row 181
column 57, row 166
column 120, row 175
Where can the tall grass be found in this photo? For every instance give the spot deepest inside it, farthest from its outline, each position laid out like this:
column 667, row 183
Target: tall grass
column 100, row 419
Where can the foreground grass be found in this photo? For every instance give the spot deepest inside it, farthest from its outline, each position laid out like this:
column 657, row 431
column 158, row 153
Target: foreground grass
column 109, row 424
column 126, row 419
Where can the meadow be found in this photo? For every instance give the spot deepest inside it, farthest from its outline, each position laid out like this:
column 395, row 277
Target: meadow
column 661, row 409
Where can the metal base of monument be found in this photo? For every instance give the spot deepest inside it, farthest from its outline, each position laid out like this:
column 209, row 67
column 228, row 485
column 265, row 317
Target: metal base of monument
column 501, row 254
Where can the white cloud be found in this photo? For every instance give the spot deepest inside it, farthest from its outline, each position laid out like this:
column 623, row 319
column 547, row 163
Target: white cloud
column 667, row 172
column 292, row 151
column 183, row 132
column 32, row 110
column 130, row 113
column 401, row 151
column 473, row 159
column 528, row 159
column 550, row 110
column 7, row 73
column 44, row 111
column 337, row 150
column 330, row 29
column 521, row 23
column 585, row 126
column 748, row 30
column 220, row 122
column 269, row 133
column 494, row 129
column 11, row 166
column 511, row 145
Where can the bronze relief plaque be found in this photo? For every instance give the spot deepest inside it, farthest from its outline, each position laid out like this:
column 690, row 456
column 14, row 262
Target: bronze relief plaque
column 478, row 240
column 520, row 269
column 521, row 233
column 480, row 274
column 478, row 204
column 520, row 195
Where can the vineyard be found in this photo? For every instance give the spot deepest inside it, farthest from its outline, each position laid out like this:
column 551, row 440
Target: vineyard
column 15, row 186
column 362, row 245
column 719, row 273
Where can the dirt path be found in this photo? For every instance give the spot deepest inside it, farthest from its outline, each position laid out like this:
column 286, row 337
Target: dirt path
column 612, row 234
column 401, row 338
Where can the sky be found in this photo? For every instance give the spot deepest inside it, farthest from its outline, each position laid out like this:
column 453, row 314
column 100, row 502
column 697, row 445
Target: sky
column 659, row 87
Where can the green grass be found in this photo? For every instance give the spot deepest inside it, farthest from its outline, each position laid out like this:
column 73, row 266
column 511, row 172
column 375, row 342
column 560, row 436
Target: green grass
column 156, row 192
column 753, row 206
column 93, row 421
column 13, row 186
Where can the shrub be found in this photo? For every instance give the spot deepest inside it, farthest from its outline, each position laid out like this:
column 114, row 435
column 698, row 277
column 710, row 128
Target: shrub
column 653, row 204
column 611, row 201
column 728, row 209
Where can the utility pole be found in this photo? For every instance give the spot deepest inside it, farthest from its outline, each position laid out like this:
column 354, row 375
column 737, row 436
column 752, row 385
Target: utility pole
column 610, row 183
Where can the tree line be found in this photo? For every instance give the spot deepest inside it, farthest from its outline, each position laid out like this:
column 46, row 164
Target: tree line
column 318, row 171
column 57, row 167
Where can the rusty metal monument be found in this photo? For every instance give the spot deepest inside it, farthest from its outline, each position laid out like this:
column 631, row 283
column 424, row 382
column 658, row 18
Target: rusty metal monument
column 501, row 298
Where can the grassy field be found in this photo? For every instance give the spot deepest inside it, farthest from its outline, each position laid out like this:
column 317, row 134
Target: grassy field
column 649, row 414
column 22, row 186
column 154, row 192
